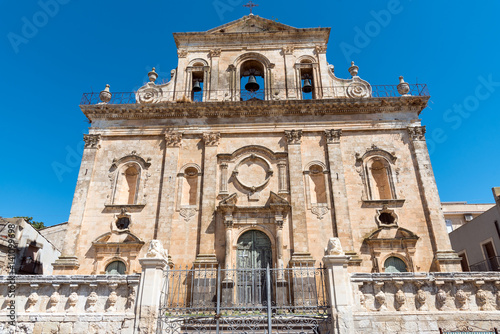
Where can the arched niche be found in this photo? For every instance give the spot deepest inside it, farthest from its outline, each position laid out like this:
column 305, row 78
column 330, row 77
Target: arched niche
column 317, row 190
column 188, row 190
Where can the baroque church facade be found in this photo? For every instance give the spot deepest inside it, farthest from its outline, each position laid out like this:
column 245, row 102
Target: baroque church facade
column 255, row 153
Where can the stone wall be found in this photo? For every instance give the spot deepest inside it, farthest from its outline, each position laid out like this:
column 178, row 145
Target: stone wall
column 71, row 304
column 423, row 303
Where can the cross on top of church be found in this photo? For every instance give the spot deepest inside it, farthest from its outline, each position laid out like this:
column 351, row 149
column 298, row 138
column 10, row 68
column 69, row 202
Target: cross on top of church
column 250, row 5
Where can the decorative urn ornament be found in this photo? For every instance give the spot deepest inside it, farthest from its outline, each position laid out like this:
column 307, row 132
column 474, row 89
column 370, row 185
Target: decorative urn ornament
column 152, row 75
column 353, row 69
column 105, row 95
column 403, row 87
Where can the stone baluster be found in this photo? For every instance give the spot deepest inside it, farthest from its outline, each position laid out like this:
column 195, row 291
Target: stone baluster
column 482, row 297
column 54, row 299
column 380, row 297
column 92, row 299
column 112, row 298
column 33, row 298
column 400, row 297
column 461, row 297
column 73, row 298
column 421, row 297
column 441, row 296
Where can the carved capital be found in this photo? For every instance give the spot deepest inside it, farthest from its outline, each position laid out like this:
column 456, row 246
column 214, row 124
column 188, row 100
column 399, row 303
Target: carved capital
column 333, row 136
column 173, row 139
column 215, row 52
column 288, row 50
column 320, row 49
column 92, row 141
column 293, row 137
column 417, row 133
column 182, row 53
column 211, row 138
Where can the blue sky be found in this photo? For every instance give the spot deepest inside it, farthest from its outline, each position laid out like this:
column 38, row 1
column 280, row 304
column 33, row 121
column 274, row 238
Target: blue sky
column 51, row 54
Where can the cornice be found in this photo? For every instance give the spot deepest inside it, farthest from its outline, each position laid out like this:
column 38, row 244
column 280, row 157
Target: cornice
column 172, row 110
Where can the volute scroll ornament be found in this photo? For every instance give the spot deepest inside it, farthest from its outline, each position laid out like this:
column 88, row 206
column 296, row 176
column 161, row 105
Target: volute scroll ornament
column 333, row 136
column 293, row 137
column 150, row 94
column 211, row 138
column 92, row 141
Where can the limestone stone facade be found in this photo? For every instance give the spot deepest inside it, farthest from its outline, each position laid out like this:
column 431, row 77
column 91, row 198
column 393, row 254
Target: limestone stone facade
column 198, row 168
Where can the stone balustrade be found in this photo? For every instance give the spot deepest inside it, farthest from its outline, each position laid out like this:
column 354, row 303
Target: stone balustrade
column 424, row 302
column 72, row 304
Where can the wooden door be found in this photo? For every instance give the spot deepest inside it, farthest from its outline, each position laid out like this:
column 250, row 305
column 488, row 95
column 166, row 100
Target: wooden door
column 253, row 256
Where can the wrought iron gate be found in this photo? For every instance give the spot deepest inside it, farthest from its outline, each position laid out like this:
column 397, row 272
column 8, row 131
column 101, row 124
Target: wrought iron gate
column 214, row 300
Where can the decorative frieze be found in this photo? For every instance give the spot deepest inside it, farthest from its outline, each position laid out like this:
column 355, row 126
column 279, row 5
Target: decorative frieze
column 293, row 137
column 417, row 133
column 211, row 138
column 173, row 139
column 92, row 141
column 333, row 136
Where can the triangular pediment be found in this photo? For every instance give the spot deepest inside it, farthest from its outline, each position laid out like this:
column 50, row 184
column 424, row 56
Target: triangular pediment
column 250, row 24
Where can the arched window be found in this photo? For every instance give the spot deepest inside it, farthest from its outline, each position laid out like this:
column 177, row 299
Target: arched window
column 394, row 264
column 127, row 185
column 116, row 268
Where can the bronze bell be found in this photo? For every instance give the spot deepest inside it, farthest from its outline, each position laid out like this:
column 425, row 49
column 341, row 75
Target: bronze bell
column 307, row 88
column 196, row 86
column 252, row 84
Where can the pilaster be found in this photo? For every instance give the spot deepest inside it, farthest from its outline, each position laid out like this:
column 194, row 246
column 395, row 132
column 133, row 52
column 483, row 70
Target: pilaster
column 301, row 253
column 444, row 256
column 206, row 250
column 214, row 74
column 166, row 207
column 67, row 263
column 342, row 227
column 290, row 72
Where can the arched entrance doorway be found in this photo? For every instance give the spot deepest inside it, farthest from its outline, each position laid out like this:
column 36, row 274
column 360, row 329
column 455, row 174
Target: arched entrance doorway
column 254, row 254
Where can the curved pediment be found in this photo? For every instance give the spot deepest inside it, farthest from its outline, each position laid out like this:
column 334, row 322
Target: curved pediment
column 118, row 238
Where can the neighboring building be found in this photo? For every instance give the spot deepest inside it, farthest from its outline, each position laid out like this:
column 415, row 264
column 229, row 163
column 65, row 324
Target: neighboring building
column 478, row 241
column 55, row 234
column 457, row 214
column 35, row 254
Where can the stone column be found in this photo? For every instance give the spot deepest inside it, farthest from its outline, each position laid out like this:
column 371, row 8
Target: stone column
column 223, row 179
column 339, row 288
column 150, row 288
column 444, row 256
column 214, row 74
column 206, row 250
column 67, row 263
column 341, row 217
column 283, row 186
column 166, row 207
column 228, row 281
column 301, row 255
column 291, row 92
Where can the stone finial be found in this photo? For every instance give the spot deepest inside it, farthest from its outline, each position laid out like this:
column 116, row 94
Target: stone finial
column 153, row 75
column 105, row 95
column 403, row 87
column 156, row 250
column 334, row 247
column 353, row 69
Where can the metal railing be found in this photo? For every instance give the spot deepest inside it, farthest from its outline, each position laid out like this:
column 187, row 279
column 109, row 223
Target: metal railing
column 493, row 331
column 212, row 299
column 490, row 264
column 262, row 94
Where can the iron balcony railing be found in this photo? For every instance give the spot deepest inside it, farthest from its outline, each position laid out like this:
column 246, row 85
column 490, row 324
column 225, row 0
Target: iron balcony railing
column 490, row 264
column 262, row 94
column 493, row 331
